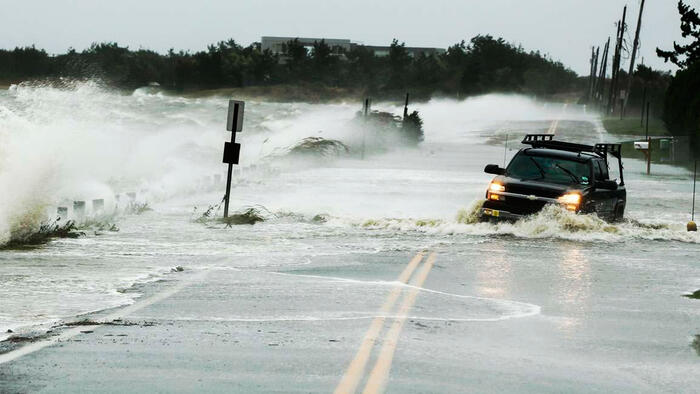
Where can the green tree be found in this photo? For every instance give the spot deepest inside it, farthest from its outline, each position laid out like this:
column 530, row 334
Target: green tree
column 682, row 103
column 399, row 60
column 324, row 63
column 296, row 58
column 685, row 55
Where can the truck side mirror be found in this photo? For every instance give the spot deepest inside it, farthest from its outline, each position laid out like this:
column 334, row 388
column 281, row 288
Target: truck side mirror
column 494, row 169
column 609, row 185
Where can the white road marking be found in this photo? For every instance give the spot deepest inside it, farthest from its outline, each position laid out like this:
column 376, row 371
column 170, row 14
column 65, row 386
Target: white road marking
column 70, row 333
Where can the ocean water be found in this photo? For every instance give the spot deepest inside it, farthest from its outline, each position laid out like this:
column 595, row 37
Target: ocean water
column 82, row 141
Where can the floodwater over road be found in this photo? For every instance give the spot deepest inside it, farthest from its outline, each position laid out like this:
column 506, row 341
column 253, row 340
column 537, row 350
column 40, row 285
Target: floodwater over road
column 365, row 273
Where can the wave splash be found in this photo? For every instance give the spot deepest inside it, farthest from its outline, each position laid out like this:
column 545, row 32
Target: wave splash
column 552, row 222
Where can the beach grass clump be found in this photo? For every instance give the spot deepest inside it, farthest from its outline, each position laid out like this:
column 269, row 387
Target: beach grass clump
column 247, row 216
column 31, row 236
column 318, row 146
column 137, row 208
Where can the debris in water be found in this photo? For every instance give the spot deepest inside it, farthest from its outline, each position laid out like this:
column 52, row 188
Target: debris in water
column 98, row 224
column 115, row 322
column 177, row 269
column 696, row 344
column 320, row 218
column 137, row 208
column 207, row 215
column 248, row 216
column 84, row 322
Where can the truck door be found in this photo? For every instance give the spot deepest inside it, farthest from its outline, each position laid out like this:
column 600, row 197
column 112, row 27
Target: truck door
column 605, row 199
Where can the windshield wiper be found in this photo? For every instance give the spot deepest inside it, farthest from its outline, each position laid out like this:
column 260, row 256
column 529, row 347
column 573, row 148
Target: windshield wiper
column 569, row 173
column 539, row 167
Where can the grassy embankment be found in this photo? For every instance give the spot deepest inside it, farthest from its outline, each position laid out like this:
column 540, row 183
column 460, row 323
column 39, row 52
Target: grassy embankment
column 632, row 127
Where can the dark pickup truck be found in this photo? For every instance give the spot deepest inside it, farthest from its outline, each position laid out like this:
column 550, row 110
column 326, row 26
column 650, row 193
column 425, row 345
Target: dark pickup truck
column 574, row 176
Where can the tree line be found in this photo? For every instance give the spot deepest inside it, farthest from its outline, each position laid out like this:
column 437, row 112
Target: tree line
column 484, row 64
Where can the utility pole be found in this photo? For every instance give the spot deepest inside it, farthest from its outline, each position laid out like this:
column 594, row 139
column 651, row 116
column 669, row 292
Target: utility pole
column 613, row 73
column 603, row 73
column 594, row 75
column 634, row 55
column 617, row 61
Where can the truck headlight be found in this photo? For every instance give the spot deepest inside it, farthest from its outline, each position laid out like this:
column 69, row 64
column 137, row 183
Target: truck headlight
column 496, row 187
column 571, row 201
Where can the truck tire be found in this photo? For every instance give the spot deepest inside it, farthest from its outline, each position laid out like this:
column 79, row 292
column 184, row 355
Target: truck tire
column 619, row 212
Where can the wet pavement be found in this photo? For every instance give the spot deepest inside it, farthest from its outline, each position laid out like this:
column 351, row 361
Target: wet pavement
column 366, row 275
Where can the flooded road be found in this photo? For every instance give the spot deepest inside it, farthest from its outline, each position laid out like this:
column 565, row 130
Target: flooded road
column 365, row 274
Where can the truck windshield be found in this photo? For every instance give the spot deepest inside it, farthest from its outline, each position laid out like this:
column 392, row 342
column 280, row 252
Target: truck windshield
column 549, row 169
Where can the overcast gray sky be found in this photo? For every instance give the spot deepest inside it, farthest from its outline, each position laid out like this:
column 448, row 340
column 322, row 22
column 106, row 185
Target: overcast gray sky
column 565, row 29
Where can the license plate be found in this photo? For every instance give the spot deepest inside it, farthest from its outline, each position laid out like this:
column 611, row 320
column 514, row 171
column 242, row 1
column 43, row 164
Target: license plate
column 492, row 212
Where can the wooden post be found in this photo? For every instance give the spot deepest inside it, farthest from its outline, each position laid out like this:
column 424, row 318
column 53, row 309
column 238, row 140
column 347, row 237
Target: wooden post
column 364, row 129
column 648, row 155
column 648, row 104
column 405, row 107
column 695, row 175
column 644, row 100
column 634, row 55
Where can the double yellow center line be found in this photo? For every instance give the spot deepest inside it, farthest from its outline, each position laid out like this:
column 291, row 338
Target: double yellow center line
column 555, row 123
column 379, row 374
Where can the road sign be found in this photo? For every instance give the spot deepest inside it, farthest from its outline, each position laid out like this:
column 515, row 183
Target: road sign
column 235, row 115
column 232, row 152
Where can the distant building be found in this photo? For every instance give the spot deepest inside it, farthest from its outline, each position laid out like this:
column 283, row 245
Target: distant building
column 339, row 46
column 276, row 44
column 412, row 51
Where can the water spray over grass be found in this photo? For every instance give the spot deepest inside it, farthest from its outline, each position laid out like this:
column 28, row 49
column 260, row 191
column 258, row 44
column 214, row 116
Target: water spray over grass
column 23, row 237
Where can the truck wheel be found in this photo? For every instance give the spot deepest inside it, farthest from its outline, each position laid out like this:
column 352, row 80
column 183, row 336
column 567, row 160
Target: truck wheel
column 619, row 212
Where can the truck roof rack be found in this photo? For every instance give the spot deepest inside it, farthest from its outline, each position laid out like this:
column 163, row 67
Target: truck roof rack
column 602, row 150
column 547, row 141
